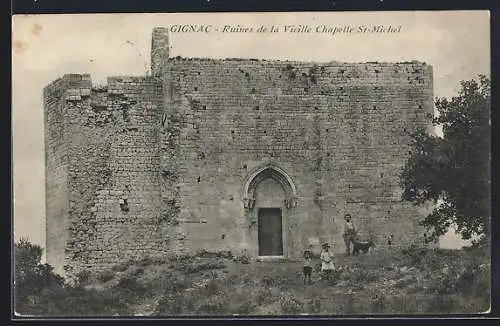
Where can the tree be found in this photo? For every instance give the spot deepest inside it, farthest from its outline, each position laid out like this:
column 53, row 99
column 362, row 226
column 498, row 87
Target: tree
column 27, row 256
column 41, row 292
column 454, row 171
column 32, row 278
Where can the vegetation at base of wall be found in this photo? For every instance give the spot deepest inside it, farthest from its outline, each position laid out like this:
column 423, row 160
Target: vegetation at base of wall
column 410, row 280
column 38, row 291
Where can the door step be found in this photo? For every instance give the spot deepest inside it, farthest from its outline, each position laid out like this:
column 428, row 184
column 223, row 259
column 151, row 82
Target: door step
column 271, row 258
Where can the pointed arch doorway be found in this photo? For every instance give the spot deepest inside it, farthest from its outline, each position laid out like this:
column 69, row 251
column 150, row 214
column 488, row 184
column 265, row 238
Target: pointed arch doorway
column 269, row 197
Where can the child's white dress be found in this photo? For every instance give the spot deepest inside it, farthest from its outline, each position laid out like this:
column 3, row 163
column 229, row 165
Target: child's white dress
column 327, row 261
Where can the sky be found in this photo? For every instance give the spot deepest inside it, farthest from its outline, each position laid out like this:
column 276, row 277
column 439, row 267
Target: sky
column 45, row 47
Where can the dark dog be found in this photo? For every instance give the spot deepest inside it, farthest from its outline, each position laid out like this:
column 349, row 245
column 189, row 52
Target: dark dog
column 363, row 246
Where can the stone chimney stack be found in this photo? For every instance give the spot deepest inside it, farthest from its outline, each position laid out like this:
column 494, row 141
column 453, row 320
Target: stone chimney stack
column 159, row 50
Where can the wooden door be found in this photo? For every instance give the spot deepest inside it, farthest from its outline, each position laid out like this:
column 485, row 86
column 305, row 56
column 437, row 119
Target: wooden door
column 270, row 232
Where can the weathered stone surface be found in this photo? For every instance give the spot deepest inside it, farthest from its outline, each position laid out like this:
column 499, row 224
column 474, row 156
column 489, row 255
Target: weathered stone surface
column 170, row 162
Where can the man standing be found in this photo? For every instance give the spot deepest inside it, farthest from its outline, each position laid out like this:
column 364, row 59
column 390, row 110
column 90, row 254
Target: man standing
column 350, row 234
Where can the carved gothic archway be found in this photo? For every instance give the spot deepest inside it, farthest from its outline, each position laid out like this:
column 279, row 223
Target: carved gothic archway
column 269, row 170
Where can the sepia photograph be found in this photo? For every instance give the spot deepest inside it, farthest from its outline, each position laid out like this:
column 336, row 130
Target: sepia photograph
column 251, row 164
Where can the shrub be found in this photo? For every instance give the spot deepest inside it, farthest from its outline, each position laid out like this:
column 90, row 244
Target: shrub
column 333, row 278
column 225, row 254
column 378, row 304
column 216, row 304
column 181, row 258
column 105, row 276
column 33, row 280
column 267, row 281
column 83, row 276
column 129, row 284
column 41, row 277
column 75, row 301
column 263, row 296
column 472, row 280
column 27, row 257
column 81, row 302
column 174, row 284
column 314, row 306
column 439, row 303
column 170, row 304
column 289, row 304
column 414, row 254
column 481, row 287
column 243, row 259
column 122, row 267
column 150, row 261
column 359, row 276
column 190, row 268
column 404, row 282
column 175, row 300
column 348, row 306
column 246, row 308
column 134, row 271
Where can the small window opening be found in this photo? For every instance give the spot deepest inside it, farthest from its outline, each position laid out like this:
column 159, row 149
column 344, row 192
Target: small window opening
column 124, row 206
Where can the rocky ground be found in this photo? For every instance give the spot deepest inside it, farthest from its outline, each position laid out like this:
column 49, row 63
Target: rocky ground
column 414, row 280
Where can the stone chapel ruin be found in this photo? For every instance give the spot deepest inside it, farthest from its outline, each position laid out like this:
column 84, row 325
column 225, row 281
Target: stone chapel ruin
column 256, row 156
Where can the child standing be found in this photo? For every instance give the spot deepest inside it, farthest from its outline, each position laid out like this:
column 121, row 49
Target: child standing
column 308, row 266
column 327, row 265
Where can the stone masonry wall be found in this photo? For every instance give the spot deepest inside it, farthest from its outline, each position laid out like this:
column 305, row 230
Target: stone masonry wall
column 148, row 165
column 112, row 174
column 339, row 130
column 56, row 174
